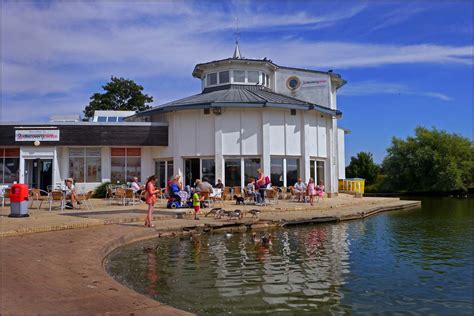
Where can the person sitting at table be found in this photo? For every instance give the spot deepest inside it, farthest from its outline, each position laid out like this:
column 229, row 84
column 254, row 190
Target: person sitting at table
column 203, row 186
column 253, row 192
column 219, row 185
column 70, row 192
column 135, row 186
column 299, row 189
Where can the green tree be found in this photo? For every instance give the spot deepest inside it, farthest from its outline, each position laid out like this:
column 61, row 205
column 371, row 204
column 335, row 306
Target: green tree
column 431, row 161
column 121, row 95
column 363, row 166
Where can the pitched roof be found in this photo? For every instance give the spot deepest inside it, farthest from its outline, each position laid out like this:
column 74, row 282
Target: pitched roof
column 238, row 96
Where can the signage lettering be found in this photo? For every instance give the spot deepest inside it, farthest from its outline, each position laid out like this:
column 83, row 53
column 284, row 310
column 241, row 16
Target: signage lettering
column 37, row 134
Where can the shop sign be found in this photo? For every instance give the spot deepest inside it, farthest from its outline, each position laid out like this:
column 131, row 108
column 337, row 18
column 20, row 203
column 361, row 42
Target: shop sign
column 315, row 83
column 37, row 135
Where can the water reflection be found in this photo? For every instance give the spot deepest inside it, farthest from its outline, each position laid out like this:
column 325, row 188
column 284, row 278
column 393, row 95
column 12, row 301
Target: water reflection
column 417, row 262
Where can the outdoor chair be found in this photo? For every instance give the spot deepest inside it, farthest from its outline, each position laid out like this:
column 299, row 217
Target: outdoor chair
column 84, row 198
column 39, row 196
column 205, row 198
column 226, row 194
column 248, row 196
column 110, row 194
column 130, row 196
column 271, row 195
column 120, row 195
column 56, row 196
column 216, row 195
column 5, row 195
column 237, row 191
column 283, row 193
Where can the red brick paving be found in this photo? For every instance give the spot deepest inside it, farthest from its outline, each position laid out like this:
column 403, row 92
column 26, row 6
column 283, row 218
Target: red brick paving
column 61, row 273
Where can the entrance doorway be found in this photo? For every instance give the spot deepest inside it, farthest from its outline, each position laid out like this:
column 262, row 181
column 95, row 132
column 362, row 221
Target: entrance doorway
column 317, row 171
column 192, row 171
column 39, row 173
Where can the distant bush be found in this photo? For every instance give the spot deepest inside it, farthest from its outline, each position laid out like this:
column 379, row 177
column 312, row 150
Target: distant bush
column 101, row 190
column 430, row 161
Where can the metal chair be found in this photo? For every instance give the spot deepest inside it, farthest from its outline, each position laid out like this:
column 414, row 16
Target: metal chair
column 38, row 195
column 5, row 195
column 56, row 196
column 84, row 199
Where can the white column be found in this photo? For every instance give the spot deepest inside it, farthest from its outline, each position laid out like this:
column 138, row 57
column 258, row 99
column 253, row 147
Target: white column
column 63, row 156
column 218, row 152
column 305, row 150
column 56, row 171
column 146, row 163
column 285, row 180
column 177, row 159
column 106, row 164
column 21, row 178
column 265, row 142
column 332, row 157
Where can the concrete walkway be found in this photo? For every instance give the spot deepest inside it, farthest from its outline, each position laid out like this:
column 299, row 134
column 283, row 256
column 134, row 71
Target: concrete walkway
column 61, row 272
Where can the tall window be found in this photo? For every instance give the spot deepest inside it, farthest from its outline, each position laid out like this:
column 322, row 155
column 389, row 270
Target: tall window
column 232, row 172
column 251, row 165
column 85, row 164
column 276, row 171
column 9, row 165
column 212, row 79
column 224, row 77
column 163, row 171
column 125, row 164
column 209, row 170
column 292, row 171
column 319, row 171
column 253, row 76
column 239, row 76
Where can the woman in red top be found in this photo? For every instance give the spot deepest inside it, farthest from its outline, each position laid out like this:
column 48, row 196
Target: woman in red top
column 150, row 199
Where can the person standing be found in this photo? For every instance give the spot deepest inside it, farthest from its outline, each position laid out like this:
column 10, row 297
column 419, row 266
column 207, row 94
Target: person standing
column 196, row 204
column 150, row 199
column 311, row 190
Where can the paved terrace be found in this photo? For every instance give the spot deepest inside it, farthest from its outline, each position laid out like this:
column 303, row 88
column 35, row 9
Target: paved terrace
column 60, row 271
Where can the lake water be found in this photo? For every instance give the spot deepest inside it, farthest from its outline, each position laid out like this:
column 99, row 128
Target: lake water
column 416, row 262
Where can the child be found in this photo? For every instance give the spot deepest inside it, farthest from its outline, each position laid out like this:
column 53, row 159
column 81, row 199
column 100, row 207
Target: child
column 311, row 189
column 320, row 190
column 196, row 204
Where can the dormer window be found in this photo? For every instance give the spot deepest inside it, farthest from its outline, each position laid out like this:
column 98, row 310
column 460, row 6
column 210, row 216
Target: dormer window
column 224, row 77
column 239, row 76
column 253, row 76
column 212, row 79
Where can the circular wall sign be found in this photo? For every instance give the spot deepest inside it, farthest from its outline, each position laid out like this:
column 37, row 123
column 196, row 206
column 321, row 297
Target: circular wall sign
column 293, row 83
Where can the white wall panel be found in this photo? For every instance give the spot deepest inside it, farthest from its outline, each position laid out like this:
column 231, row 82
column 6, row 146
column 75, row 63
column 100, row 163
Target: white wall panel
column 322, row 134
column 312, row 134
column 293, row 133
column 341, row 154
column 186, row 140
column 205, row 133
column 277, row 132
column 251, row 125
column 230, row 132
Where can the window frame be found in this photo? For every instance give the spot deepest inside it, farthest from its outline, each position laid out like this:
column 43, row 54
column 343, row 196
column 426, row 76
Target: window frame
column 84, row 156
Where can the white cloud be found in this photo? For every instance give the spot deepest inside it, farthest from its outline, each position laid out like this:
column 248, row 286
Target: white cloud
column 61, row 47
column 377, row 88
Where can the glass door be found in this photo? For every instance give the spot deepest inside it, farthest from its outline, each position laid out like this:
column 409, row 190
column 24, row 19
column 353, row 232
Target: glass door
column 39, row 173
column 317, row 171
column 192, row 171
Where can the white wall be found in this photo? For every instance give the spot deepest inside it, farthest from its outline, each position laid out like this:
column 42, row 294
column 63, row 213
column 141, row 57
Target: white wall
column 341, row 154
column 315, row 87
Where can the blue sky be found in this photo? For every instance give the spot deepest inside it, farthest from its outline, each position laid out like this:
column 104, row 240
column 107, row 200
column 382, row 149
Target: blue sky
column 406, row 63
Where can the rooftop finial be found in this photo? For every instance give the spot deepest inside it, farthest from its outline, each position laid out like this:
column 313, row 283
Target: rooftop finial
column 237, row 36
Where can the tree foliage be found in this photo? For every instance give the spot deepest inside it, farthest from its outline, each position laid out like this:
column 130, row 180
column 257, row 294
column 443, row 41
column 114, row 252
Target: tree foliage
column 431, row 161
column 120, row 95
column 363, row 166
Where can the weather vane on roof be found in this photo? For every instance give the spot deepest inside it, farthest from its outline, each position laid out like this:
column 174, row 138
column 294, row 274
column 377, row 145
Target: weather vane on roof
column 237, row 37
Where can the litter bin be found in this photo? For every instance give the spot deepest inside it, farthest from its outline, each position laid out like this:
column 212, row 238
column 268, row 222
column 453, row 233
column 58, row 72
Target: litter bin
column 19, row 200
